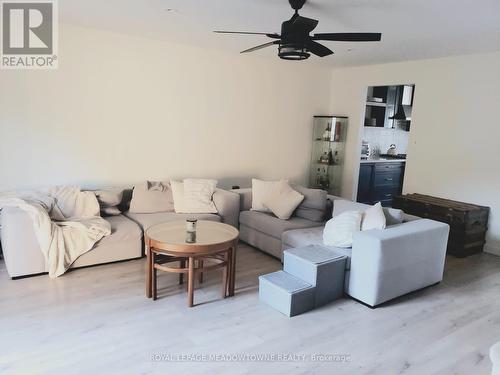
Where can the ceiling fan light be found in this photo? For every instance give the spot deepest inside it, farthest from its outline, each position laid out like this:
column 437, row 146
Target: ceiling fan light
column 293, row 52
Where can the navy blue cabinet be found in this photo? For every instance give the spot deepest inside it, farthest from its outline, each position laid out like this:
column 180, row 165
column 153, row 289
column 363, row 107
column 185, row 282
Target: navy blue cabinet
column 365, row 183
column 380, row 182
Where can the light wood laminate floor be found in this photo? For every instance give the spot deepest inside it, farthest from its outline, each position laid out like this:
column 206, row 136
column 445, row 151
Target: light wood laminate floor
column 98, row 321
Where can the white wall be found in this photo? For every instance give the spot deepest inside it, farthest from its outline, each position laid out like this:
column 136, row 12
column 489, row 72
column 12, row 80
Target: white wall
column 122, row 109
column 454, row 142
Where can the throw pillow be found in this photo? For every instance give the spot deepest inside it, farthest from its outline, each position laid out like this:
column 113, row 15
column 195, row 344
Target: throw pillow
column 374, row 218
column 150, row 197
column 108, row 200
column 392, row 215
column 178, row 195
column 110, row 211
column 71, row 201
column 198, row 196
column 339, row 230
column 109, row 197
column 260, row 191
column 283, row 201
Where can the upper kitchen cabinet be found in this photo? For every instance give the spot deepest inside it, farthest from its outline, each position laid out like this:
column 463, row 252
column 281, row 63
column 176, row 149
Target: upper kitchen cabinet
column 389, row 106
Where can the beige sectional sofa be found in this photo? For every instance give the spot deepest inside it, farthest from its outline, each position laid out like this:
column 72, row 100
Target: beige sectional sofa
column 23, row 256
column 227, row 204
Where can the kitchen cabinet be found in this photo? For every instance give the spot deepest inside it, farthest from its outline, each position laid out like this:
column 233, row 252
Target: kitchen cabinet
column 365, row 183
column 383, row 103
column 380, row 182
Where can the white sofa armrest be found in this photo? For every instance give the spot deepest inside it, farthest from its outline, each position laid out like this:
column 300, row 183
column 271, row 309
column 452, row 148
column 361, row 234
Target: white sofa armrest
column 395, row 261
column 20, row 247
column 228, row 206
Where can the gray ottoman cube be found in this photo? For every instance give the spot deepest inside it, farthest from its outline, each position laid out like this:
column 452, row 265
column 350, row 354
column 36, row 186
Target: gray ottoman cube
column 320, row 267
column 286, row 293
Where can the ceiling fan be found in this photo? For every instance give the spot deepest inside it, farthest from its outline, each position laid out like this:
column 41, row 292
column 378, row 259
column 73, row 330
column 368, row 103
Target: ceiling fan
column 296, row 41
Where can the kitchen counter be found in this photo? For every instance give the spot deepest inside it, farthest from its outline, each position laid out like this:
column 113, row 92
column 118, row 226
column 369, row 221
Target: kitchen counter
column 382, row 160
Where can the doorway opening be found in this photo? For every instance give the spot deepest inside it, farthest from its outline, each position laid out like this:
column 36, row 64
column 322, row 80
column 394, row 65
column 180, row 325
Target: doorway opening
column 385, row 138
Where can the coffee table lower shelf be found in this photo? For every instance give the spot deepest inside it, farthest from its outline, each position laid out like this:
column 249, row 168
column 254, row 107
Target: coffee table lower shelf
column 192, row 267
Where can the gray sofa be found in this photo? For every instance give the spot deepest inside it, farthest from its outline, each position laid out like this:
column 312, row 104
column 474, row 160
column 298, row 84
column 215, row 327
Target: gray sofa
column 380, row 266
column 264, row 230
column 23, row 256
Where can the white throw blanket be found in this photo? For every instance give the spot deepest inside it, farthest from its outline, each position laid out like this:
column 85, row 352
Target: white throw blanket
column 75, row 230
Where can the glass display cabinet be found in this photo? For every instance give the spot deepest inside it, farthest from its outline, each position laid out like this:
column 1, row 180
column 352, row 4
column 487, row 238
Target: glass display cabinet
column 327, row 159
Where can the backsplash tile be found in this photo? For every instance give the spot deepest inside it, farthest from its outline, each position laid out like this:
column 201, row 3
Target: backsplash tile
column 380, row 139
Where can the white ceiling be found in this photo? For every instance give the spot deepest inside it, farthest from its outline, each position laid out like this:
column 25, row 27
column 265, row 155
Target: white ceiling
column 412, row 29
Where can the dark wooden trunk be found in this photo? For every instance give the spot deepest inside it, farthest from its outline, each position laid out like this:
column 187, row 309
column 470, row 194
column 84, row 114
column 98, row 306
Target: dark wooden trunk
column 468, row 222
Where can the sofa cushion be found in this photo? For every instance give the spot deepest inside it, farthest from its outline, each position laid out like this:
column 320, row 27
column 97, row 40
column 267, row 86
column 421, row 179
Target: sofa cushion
column 122, row 229
column 311, row 236
column 313, row 207
column 302, row 237
column 340, row 206
column 148, row 220
column 271, row 225
column 124, row 242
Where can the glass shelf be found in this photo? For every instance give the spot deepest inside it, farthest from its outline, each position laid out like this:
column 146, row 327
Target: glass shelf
column 327, row 165
column 329, row 134
column 326, row 140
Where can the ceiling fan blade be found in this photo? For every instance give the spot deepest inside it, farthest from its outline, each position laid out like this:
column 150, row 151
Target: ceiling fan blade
column 349, row 37
column 270, row 35
column 302, row 24
column 318, row 49
column 269, row 44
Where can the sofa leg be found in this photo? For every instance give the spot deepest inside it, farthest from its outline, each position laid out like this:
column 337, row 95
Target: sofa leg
column 361, row 302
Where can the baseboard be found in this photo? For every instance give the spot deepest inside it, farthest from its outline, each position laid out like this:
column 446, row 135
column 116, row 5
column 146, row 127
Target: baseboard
column 491, row 249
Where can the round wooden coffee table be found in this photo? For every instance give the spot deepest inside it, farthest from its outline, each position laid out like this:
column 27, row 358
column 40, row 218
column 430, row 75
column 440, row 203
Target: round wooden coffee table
column 215, row 247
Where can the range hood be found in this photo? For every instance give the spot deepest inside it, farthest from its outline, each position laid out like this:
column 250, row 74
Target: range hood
column 400, row 114
column 404, row 99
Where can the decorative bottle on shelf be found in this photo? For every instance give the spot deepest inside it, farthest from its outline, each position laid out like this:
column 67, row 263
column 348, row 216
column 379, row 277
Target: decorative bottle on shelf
column 325, row 181
column 318, row 178
column 323, row 159
column 338, row 132
column 331, row 160
column 327, row 132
